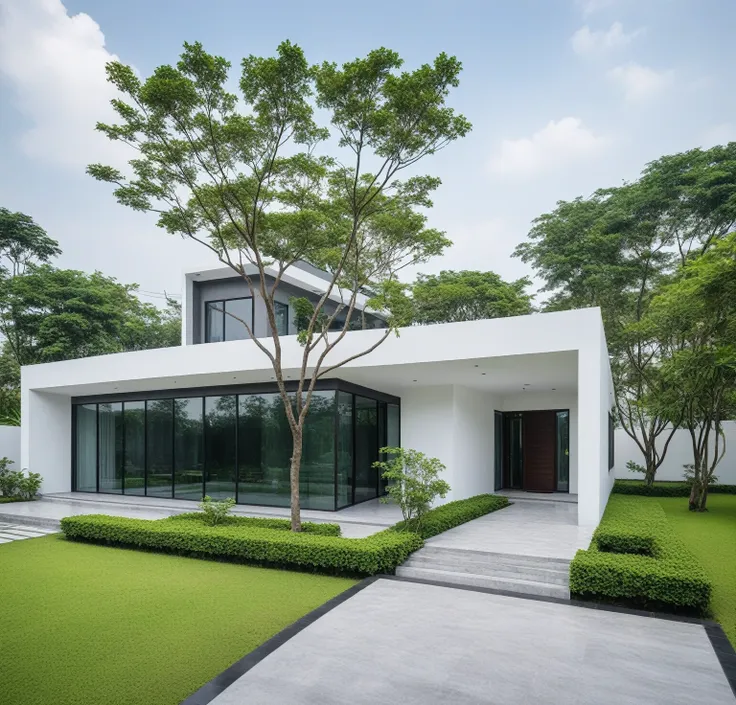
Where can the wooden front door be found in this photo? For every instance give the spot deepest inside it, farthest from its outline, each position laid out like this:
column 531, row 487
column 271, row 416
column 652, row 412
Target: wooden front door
column 539, row 451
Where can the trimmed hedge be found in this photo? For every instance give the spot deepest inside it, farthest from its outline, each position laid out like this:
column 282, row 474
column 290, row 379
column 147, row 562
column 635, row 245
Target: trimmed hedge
column 664, row 489
column 380, row 553
column 308, row 527
column 8, row 500
column 452, row 514
column 635, row 557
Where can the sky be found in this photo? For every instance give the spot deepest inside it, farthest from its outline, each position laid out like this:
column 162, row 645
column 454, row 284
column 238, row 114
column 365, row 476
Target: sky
column 565, row 96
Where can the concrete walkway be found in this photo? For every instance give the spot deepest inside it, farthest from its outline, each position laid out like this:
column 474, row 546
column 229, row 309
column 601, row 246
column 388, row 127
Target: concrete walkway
column 398, row 642
column 18, row 532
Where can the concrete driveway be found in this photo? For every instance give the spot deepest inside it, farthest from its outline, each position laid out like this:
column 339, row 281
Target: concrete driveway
column 410, row 643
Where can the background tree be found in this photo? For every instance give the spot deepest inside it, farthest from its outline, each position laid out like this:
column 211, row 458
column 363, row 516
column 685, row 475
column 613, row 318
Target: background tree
column 22, row 242
column 468, row 296
column 247, row 180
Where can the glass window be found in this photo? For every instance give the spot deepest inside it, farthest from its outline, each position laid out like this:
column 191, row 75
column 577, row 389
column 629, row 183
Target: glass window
column 134, row 415
column 160, row 446
column 366, row 448
column 86, row 448
column 498, row 450
column 237, row 311
column 317, row 472
column 219, row 446
column 188, row 450
column 563, row 451
column 110, row 446
column 214, row 322
column 281, row 313
column 344, row 449
column 611, row 440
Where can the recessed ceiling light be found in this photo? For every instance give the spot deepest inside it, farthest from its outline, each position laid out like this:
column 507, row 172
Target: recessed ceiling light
column 483, row 373
column 475, row 365
column 413, row 380
column 554, row 389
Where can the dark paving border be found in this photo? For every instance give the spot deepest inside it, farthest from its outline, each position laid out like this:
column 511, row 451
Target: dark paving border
column 210, row 690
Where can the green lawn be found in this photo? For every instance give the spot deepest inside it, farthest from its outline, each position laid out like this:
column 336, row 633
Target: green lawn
column 93, row 624
column 711, row 537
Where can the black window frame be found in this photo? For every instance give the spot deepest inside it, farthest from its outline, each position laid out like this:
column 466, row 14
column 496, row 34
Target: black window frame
column 611, row 441
column 286, row 317
column 222, row 302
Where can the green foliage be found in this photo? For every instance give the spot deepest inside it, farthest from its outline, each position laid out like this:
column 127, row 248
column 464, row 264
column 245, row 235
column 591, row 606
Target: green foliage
column 15, row 485
column 414, row 483
column 309, row 527
column 636, row 558
column 452, row 514
column 631, row 466
column 665, row 489
column 29, row 485
column 379, row 553
column 215, row 512
column 467, row 296
column 22, row 242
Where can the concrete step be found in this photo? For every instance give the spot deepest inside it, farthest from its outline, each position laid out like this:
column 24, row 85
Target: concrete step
column 30, row 520
column 525, row 587
column 487, row 557
column 554, row 575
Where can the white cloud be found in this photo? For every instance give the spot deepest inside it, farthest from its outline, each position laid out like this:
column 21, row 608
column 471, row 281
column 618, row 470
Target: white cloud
column 554, row 147
column 585, row 41
column 55, row 64
column 591, row 6
column 640, row 82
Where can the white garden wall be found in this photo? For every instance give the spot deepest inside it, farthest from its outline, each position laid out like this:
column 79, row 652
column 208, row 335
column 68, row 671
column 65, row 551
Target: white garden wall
column 10, row 445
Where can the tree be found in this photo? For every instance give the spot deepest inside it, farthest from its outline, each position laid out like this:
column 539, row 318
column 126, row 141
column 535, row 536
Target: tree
column 698, row 310
column 253, row 187
column 22, row 242
column 468, row 296
column 615, row 249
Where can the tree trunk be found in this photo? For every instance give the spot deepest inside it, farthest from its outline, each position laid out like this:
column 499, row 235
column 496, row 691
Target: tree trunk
column 296, row 461
column 698, row 493
column 650, row 468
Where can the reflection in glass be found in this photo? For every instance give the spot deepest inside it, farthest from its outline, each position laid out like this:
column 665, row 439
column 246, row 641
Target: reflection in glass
column 86, row 448
column 214, row 322
column 281, row 313
column 516, row 457
column 237, row 311
column 344, row 449
column 159, row 444
column 317, row 473
column 110, row 447
column 563, row 451
column 134, row 414
column 498, row 450
column 188, row 452
column 219, row 445
column 366, row 448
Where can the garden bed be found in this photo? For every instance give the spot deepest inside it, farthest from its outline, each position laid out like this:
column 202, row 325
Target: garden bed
column 664, row 489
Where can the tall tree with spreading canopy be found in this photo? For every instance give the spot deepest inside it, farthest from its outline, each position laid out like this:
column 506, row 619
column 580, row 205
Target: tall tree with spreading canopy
column 23, row 242
column 468, row 296
column 253, row 182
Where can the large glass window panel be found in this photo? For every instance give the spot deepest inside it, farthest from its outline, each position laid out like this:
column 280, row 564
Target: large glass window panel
column 188, row 448
column 86, row 448
column 237, row 311
column 219, row 446
column 498, row 450
column 366, row 448
column 516, row 452
column 159, row 446
column 264, row 450
column 110, row 448
column 317, row 472
column 134, row 414
column 563, row 451
column 281, row 313
column 344, row 449
column 214, row 322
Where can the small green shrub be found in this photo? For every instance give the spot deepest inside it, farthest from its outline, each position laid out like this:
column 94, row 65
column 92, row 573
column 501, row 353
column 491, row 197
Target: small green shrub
column 215, row 512
column 15, row 485
column 452, row 514
column 379, row 553
column 263, row 523
column 664, row 489
column 29, row 485
column 635, row 557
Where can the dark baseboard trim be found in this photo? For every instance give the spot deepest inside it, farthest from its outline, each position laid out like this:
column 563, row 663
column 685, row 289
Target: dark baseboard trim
column 210, row 690
column 724, row 650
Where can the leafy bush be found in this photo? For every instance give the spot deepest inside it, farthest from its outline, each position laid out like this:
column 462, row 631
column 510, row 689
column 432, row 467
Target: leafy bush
column 15, row 486
column 452, row 514
column 414, row 484
column 29, row 485
column 379, row 553
column 631, row 466
column 10, row 482
column 214, row 512
column 664, row 489
column 635, row 557
column 264, row 523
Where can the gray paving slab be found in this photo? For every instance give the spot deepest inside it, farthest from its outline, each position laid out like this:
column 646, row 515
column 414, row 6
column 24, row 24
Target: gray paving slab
column 409, row 643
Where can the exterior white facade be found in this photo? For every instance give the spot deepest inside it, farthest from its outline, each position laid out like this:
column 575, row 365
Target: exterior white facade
column 450, row 379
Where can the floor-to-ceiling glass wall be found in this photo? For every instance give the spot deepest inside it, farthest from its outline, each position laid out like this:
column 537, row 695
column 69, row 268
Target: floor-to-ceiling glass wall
column 220, row 446
column 110, row 447
column 317, row 473
column 85, row 446
column 160, row 447
column 188, row 448
column 344, row 460
column 366, row 448
column 134, row 422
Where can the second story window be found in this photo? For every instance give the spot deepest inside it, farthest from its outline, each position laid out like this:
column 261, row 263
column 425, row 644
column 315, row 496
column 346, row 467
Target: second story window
column 281, row 312
column 221, row 319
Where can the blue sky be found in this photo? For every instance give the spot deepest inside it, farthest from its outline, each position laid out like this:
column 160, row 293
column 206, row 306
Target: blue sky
column 565, row 96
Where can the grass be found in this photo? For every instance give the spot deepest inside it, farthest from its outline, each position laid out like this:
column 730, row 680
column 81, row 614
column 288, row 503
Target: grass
column 711, row 537
column 94, row 624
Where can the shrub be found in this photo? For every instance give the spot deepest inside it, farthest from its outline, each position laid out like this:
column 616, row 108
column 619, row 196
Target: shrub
column 414, row 484
column 664, row 489
column 636, row 558
column 29, row 485
column 452, row 514
column 379, row 553
column 15, row 486
column 264, row 523
column 10, row 482
column 214, row 512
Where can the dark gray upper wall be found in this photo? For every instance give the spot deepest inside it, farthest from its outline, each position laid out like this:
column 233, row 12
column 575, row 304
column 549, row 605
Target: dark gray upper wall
column 235, row 287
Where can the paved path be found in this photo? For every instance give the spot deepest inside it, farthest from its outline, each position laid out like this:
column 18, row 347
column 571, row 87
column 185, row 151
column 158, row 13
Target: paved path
column 15, row 532
column 410, row 643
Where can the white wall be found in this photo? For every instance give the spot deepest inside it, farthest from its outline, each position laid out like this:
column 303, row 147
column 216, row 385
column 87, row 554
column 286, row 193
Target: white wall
column 10, row 445
column 679, row 453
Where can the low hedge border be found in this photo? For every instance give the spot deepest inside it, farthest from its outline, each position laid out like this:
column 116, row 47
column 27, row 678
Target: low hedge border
column 379, row 553
column 635, row 558
column 452, row 514
column 664, row 489
column 308, row 527
column 8, row 500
